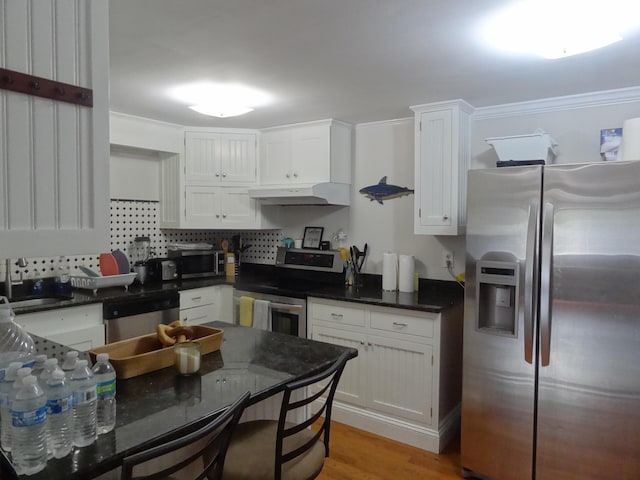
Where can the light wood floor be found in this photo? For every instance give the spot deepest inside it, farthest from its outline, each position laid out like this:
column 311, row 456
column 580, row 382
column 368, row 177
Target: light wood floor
column 359, row 455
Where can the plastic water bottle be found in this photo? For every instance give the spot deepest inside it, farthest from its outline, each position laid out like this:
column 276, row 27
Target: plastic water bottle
column 70, row 361
column 105, row 376
column 59, row 415
column 5, row 404
column 16, row 345
column 83, row 387
column 38, row 365
column 21, row 374
column 50, row 365
column 29, row 415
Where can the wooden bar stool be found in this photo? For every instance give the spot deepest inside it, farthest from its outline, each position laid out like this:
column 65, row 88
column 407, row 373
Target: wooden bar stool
column 197, row 455
column 278, row 449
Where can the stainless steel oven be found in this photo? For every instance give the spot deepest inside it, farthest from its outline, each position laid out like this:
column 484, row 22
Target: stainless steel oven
column 285, row 314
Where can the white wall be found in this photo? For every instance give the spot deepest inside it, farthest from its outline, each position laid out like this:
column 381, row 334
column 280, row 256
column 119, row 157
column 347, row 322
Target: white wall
column 134, row 174
column 574, row 122
column 381, row 149
column 386, row 148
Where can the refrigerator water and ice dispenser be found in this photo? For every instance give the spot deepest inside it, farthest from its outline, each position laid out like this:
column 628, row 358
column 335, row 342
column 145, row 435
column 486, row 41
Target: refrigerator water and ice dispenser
column 497, row 302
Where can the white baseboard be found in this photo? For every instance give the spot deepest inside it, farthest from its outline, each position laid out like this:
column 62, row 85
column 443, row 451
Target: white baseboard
column 432, row 440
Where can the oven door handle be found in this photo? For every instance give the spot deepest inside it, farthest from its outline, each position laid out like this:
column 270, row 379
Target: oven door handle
column 285, row 306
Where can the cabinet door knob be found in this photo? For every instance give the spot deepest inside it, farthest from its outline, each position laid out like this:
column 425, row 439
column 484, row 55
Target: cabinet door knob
column 217, row 174
column 224, row 175
column 295, row 174
column 217, row 215
column 224, row 215
column 288, row 175
column 445, row 217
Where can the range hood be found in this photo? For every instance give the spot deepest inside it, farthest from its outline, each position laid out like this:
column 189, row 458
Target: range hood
column 328, row 193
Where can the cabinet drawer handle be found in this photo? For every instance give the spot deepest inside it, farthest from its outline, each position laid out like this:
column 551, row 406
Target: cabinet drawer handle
column 398, row 324
column 196, row 298
column 336, row 315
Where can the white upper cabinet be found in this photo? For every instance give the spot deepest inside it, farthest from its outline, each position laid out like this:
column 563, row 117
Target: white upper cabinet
column 54, row 160
column 441, row 164
column 215, row 158
column 307, row 153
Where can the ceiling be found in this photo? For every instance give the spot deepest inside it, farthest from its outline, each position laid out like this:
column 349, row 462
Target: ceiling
column 353, row 60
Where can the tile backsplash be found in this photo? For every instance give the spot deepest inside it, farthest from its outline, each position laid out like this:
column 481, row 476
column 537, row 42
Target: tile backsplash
column 130, row 219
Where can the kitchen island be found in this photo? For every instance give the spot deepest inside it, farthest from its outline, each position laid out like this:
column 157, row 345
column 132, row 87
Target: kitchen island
column 162, row 405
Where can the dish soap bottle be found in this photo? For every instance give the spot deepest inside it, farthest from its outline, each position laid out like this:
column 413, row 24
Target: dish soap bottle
column 62, row 284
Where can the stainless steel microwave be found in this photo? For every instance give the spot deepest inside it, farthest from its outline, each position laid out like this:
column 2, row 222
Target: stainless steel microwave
column 198, row 263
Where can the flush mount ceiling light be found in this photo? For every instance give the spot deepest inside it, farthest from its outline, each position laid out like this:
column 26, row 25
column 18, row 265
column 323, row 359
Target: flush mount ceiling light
column 561, row 28
column 220, row 100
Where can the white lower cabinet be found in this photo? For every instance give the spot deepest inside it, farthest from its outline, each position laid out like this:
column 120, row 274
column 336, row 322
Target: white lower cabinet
column 206, row 304
column 405, row 382
column 80, row 328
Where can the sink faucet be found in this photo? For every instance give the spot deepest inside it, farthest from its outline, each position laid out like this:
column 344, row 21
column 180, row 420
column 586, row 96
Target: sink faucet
column 8, row 283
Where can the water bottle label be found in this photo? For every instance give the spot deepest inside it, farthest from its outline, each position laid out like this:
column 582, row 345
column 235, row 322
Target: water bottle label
column 29, row 418
column 4, row 399
column 59, row 405
column 3, row 372
column 106, row 388
column 84, row 396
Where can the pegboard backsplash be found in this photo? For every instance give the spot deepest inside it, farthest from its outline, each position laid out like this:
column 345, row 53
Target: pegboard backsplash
column 130, row 219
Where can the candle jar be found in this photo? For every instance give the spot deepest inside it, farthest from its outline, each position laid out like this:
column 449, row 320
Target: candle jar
column 187, row 357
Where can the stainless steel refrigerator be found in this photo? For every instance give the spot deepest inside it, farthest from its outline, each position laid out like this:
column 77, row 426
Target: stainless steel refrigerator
column 551, row 362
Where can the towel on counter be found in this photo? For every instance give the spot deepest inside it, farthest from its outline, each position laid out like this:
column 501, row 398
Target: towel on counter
column 261, row 314
column 246, row 311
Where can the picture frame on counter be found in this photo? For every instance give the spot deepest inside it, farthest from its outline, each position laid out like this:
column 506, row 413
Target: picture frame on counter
column 312, row 237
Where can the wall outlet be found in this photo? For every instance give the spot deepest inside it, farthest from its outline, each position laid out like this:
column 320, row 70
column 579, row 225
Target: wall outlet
column 447, row 259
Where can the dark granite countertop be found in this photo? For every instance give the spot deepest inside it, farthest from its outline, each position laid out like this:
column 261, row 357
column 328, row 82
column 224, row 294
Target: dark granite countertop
column 432, row 295
column 161, row 404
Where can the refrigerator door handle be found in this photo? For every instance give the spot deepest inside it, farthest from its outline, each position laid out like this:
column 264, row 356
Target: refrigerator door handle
column 545, row 284
column 529, row 279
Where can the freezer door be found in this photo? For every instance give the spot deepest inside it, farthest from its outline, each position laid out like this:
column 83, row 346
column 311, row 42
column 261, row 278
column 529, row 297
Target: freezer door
column 498, row 354
column 588, row 423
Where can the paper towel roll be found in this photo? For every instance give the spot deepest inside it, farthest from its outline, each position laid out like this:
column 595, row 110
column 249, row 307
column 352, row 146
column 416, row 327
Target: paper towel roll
column 630, row 148
column 406, row 272
column 389, row 271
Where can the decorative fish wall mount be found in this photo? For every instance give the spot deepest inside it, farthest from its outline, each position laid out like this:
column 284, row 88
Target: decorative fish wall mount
column 384, row 191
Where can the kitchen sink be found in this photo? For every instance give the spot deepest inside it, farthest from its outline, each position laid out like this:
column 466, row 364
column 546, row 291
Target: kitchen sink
column 34, row 302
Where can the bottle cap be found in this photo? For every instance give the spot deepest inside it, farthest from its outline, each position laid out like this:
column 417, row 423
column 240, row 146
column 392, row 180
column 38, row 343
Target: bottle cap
column 51, row 361
column 82, row 363
column 102, row 357
column 57, row 374
column 72, row 353
column 29, row 380
column 23, row 372
column 10, row 376
column 41, row 358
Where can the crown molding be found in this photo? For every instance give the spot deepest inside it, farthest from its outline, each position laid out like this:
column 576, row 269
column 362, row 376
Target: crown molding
column 569, row 102
column 383, row 123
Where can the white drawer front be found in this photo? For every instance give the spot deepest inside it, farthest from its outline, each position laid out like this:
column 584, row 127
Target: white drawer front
column 197, row 297
column 389, row 322
column 338, row 314
column 197, row 315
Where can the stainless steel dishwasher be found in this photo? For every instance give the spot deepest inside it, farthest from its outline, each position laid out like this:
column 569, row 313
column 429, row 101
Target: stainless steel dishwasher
column 134, row 316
